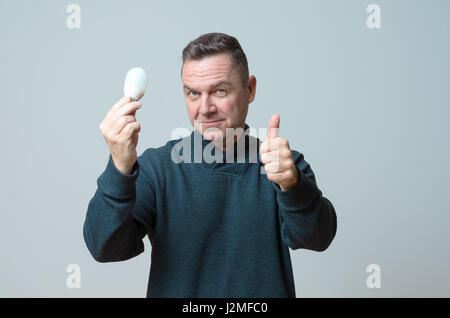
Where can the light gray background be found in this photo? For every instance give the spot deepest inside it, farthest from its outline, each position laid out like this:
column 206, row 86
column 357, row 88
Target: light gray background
column 369, row 109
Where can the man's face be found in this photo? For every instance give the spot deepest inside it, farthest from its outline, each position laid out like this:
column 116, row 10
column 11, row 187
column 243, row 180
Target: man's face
column 215, row 96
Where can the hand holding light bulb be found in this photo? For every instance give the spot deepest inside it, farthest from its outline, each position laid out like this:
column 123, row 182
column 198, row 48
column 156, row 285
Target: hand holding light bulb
column 119, row 127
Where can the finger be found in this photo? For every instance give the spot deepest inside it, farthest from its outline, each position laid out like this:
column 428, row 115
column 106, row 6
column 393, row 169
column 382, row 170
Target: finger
column 121, row 123
column 111, row 116
column 274, row 126
column 279, row 166
column 263, row 147
column 130, row 130
column 124, row 100
column 127, row 109
column 273, row 144
column 270, row 145
column 273, row 167
column 274, row 177
column 270, row 156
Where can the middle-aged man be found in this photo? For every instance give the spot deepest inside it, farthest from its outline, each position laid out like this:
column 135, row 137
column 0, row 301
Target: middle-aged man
column 218, row 228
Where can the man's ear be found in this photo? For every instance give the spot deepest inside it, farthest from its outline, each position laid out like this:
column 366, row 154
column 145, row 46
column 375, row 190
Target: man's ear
column 251, row 86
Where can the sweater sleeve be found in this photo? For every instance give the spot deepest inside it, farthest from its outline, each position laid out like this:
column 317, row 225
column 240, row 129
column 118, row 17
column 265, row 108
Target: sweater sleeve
column 119, row 215
column 307, row 219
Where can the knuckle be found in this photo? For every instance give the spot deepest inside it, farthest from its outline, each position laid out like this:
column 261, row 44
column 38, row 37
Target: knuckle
column 128, row 127
column 285, row 153
column 121, row 120
column 289, row 174
column 273, row 176
column 290, row 170
column 131, row 127
column 126, row 120
column 112, row 139
column 118, row 114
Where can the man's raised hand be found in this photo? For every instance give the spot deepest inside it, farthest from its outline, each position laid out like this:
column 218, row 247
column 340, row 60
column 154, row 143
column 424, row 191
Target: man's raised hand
column 120, row 130
column 277, row 158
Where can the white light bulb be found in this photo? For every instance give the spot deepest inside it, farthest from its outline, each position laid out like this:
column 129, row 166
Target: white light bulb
column 135, row 83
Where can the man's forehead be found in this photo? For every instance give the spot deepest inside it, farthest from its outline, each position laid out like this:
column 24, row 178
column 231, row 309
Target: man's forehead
column 221, row 60
column 209, row 71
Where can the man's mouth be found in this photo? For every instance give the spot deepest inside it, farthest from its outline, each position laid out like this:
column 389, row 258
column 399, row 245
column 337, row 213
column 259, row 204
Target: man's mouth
column 210, row 122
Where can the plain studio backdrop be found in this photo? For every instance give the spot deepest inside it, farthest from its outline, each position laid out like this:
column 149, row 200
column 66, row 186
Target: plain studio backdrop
column 368, row 107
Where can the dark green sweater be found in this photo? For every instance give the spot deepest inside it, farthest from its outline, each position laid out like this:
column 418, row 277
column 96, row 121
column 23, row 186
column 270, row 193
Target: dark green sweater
column 216, row 229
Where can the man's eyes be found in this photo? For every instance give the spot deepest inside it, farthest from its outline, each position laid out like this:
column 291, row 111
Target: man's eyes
column 220, row 92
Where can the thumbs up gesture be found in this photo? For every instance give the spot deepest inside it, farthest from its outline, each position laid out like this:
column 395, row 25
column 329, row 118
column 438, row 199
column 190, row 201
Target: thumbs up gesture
column 277, row 157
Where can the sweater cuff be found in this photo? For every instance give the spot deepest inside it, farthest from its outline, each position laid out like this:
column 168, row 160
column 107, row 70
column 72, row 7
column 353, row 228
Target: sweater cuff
column 299, row 196
column 116, row 184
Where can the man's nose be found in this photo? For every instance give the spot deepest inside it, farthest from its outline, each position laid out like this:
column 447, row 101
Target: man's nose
column 206, row 105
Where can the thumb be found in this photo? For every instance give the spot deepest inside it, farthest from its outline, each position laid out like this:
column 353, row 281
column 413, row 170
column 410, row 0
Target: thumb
column 274, row 126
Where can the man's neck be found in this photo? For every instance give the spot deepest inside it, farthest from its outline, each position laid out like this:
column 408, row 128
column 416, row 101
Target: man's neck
column 223, row 145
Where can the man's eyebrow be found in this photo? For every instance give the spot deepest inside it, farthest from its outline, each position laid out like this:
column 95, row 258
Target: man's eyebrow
column 187, row 87
column 212, row 86
column 221, row 83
